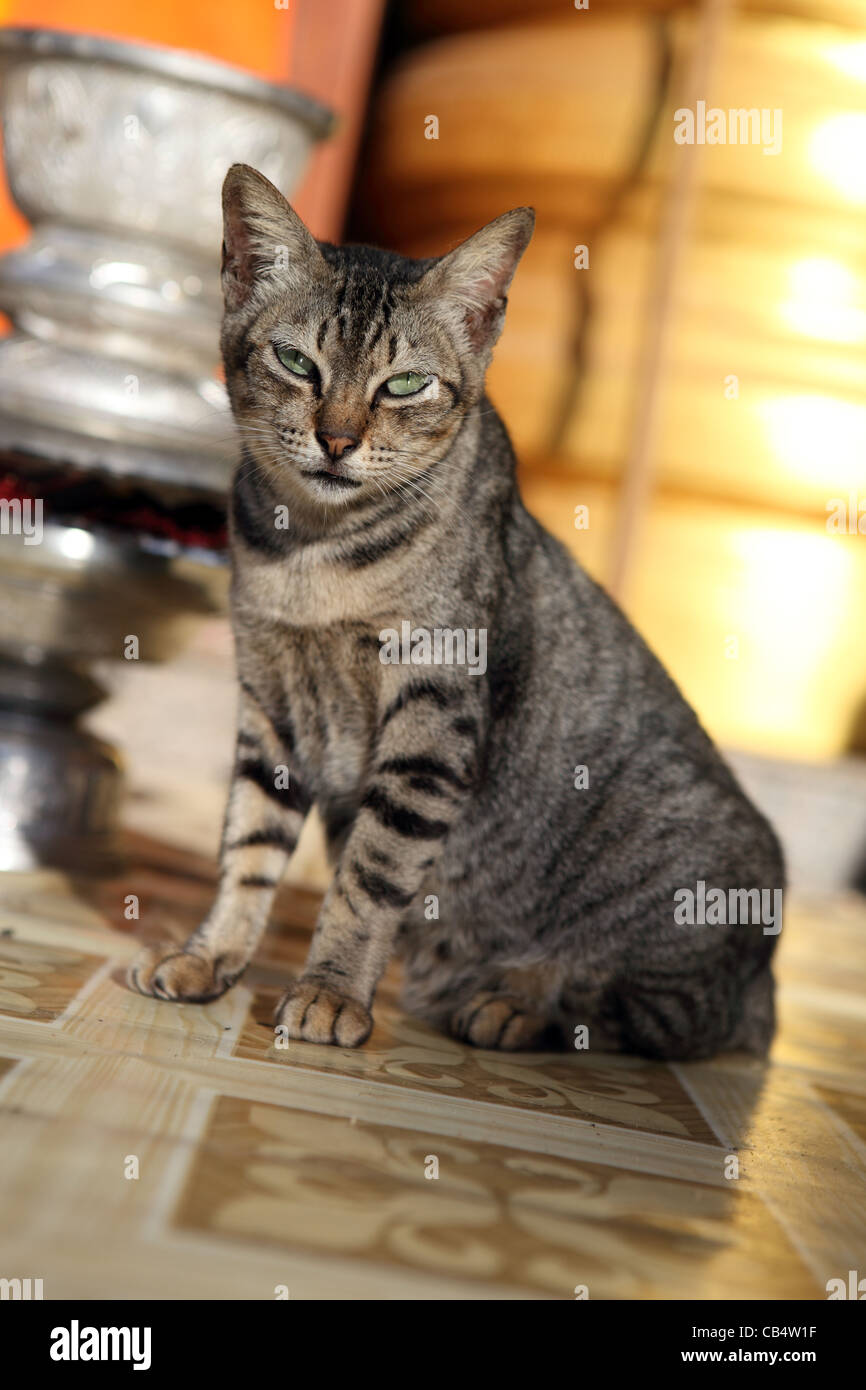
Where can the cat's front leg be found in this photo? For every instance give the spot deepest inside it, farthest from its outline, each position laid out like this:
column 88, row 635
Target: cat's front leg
column 266, row 808
column 423, row 772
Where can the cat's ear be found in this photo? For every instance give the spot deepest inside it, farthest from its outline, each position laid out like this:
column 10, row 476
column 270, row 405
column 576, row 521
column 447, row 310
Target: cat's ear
column 264, row 239
column 474, row 278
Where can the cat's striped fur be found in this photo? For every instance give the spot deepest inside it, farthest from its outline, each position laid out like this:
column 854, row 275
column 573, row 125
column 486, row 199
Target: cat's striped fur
column 555, row 904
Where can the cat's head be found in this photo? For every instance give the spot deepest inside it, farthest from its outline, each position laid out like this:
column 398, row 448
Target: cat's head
column 351, row 370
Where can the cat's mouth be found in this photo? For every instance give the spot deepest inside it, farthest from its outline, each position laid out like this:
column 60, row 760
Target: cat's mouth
column 332, row 476
column 334, row 481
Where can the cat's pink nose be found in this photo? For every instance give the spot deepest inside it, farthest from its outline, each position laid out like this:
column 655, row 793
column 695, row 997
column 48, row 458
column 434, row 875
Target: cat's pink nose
column 337, row 444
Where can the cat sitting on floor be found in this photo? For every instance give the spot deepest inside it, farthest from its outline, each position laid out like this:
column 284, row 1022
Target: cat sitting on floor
column 376, row 489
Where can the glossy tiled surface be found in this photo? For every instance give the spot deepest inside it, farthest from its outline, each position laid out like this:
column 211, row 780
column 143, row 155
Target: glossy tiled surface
column 160, row 1150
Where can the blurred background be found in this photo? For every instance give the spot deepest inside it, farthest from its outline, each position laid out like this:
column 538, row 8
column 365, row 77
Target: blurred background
column 683, row 368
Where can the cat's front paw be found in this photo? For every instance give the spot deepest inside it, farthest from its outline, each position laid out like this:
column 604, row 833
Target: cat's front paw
column 312, row 1013
column 182, row 976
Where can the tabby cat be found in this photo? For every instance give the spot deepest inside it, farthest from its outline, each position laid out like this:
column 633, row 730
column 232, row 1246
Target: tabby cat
column 376, row 488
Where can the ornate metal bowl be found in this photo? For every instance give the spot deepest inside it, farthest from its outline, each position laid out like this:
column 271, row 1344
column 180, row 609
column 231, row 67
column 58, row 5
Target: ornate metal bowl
column 116, row 153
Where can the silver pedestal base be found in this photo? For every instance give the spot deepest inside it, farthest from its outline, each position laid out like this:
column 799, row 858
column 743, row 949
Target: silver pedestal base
column 60, row 793
column 68, row 600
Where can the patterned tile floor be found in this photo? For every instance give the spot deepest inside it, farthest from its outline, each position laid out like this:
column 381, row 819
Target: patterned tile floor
column 157, row 1150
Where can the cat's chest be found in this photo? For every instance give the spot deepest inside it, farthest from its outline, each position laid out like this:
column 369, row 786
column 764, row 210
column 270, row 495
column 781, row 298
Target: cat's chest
column 325, row 682
column 330, row 680
column 308, row 643
column 305, row 591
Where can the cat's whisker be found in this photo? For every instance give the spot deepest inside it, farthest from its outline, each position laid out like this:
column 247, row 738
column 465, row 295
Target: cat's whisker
column 445, row 498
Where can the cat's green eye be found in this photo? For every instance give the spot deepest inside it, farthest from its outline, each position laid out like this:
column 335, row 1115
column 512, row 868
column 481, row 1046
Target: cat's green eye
column 295, row 361
column 406, row 383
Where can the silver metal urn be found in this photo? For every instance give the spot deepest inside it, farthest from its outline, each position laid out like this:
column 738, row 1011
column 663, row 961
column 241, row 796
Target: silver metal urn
column 111, row 409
